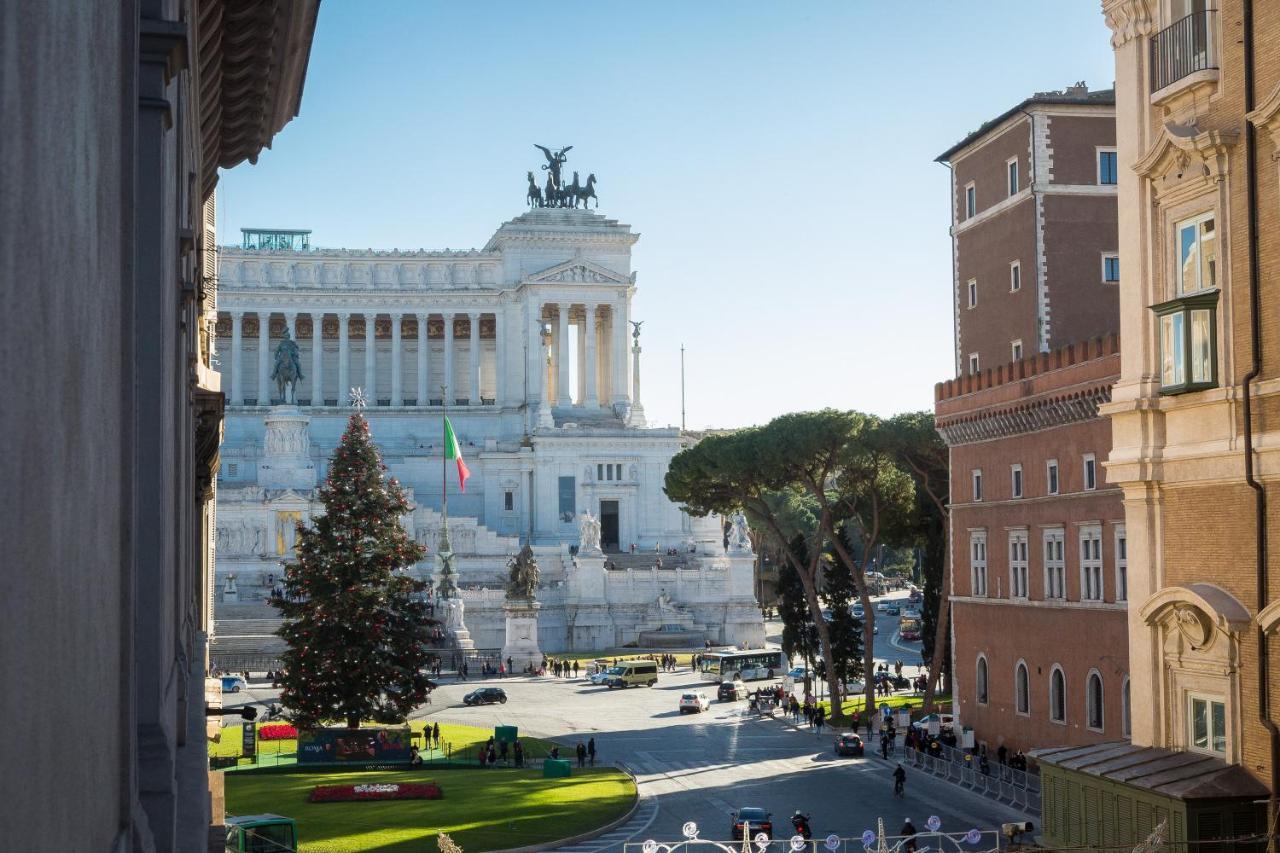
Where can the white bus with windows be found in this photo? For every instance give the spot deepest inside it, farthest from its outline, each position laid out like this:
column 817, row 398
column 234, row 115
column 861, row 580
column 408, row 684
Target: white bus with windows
column 748, row 665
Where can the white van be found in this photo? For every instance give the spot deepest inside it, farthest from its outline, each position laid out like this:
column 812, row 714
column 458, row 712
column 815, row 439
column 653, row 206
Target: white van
column 629, row 672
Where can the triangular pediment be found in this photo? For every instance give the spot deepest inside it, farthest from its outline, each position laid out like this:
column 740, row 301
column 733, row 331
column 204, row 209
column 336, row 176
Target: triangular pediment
column 286, row 497
column 577, row 271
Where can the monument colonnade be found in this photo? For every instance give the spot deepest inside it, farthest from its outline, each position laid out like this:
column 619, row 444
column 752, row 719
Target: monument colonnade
column 601, row 354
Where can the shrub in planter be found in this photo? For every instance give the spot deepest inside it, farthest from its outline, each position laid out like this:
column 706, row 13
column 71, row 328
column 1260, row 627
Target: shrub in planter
column 375, row 791
column 277, row 731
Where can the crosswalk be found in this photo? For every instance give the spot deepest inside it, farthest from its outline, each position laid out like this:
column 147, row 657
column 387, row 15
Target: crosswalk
column 646, row 811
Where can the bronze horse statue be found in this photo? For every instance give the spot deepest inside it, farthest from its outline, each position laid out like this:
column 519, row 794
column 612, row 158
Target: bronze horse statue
column 581, row 194
column 534, row 195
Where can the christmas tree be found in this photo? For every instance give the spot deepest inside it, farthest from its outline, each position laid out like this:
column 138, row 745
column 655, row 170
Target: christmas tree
column 355, row 623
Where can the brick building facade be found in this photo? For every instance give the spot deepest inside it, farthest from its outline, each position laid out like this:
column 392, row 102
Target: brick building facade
column 1195, row 421
column 1037, row 534
column 1038, row 551
column 1034, row 228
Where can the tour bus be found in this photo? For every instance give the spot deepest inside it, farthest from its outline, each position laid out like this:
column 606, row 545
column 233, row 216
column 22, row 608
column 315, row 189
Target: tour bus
column 629, row 672
column 748, row 665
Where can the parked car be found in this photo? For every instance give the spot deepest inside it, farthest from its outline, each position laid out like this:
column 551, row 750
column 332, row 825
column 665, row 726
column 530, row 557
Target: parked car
column 882, row 606
column 731, row 691
column 855, row 688
column 486, row 696
column 797, row 673
column 694, row 703
column 893, row 610
column 849, row 744
column 233, row 684
column 633, row 672
column 946, row 722
column 750, row 822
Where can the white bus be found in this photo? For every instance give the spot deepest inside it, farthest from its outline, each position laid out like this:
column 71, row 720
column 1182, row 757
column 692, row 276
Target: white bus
column 748, row 665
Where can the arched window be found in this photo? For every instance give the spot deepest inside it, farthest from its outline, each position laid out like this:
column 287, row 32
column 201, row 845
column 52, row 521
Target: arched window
column 981, row 680
column 1057, row 695
column 1093, row 701
column 1022, row 689
column 1125, row 726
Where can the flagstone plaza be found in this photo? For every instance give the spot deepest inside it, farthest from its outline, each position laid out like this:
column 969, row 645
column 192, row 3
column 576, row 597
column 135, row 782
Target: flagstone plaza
column 528, row 341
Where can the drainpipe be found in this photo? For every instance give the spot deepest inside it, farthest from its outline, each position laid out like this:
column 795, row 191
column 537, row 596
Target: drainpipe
column 1259, row 493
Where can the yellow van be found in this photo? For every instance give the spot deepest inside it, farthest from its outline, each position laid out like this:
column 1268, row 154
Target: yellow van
column 633, row 672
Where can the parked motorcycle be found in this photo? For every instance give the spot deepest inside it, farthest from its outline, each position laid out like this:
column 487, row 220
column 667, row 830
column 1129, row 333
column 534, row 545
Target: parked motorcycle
column 801, row 824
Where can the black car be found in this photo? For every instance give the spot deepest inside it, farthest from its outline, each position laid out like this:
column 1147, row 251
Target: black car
column 849, row 744
column 731, row 691
column 750, row 822
column 485, row 696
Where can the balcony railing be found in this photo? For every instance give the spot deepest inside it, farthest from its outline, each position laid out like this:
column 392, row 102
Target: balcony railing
column 1183, row 48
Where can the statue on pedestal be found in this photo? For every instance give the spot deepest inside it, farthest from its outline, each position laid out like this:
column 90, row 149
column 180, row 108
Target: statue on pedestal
column 522, row 577
column 287, row 370
column 739, row 536
column 588, row 534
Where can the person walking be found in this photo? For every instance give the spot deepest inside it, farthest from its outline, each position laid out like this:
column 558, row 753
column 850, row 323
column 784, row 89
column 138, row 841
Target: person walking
column 582, row 754
column 510, row 664
column 575, row 669
column 899, row 782
column 820, row 717
column 518, row 753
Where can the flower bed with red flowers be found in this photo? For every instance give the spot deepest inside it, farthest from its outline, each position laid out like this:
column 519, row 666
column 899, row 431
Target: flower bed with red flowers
column 376, row 791
column 277, row 731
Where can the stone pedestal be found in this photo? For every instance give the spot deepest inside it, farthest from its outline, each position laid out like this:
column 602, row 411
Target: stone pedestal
column 521, row 644
column 286, row 451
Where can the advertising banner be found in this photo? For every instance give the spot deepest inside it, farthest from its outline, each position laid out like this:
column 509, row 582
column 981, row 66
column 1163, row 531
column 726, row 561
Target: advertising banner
column 248, row 738
column 358, row 746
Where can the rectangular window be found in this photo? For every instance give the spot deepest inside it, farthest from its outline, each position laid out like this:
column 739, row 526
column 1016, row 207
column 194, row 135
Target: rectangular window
column 1015, row 477
column 1122, row 565
column 1197, row 261
column 1090, row 472
column 599, row 472
column 970, row 201
column 1018, row 564
column 973, row 364
column 973, row 292
column 508, row 501
column 1111, row 268
column 608, row 471
column 978, row 563
column 1015, row 276
column 568, row 499
column 1012, row 168
column 977, row 484
column 1091, row 563
column 1055, row 566
column 1108, row 174
column 1208, row 724
column 618, row 470
column 1015, row 350
column 1051, row 476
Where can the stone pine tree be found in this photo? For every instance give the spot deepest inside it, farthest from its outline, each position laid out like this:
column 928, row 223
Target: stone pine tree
column 355, row 623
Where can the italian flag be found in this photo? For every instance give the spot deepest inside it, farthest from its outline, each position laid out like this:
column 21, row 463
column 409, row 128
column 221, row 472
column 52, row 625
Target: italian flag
column 452, row 450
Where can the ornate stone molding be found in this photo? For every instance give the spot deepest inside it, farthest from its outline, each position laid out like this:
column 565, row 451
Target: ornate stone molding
column 1128, row 20
column 1267, row 117
column 1030, row 416
column 1185, row 159
column 577, row 270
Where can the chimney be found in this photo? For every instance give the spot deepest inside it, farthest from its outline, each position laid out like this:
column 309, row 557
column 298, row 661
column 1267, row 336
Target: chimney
column 1079, row 90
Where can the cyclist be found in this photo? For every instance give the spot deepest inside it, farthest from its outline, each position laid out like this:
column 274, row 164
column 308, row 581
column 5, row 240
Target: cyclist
column 899, row 781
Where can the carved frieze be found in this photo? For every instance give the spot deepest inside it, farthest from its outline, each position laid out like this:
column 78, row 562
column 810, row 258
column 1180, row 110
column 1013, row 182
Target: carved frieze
column 1128, row 20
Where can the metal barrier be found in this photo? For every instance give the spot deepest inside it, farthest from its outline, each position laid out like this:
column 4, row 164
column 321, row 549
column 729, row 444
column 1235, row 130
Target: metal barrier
column 1008, row 785
column 968, row 841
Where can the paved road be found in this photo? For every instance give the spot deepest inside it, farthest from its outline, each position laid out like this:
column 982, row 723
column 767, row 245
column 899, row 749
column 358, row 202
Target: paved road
column 701, row 767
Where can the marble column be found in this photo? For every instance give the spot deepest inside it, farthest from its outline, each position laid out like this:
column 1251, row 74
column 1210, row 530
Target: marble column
column 344, row 358
column 397, row 389
column 618, row 331
column 317, row 358
column 449, row 395
column 237, row 359
column 264, row 358
column 290, row 323
column 562, row 356
column 592, row 395
column 424, row 393
column 473, row 366
column 499, row 359
column 371, row 357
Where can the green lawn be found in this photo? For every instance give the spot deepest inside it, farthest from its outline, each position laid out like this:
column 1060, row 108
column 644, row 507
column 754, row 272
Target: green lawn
column 481, row 810
column 462, row 740
column 854, row 704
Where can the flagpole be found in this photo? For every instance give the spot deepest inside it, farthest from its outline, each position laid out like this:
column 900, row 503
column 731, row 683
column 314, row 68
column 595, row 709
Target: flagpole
column 444, row 461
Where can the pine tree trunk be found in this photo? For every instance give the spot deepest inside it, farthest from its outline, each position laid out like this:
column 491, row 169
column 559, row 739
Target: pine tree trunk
column 353, row 722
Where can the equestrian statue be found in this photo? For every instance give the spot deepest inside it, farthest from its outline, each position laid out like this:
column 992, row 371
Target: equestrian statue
column 287, row 370
column 555, row 193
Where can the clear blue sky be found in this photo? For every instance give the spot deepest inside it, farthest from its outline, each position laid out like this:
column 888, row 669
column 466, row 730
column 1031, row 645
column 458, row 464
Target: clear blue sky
column 777, row 159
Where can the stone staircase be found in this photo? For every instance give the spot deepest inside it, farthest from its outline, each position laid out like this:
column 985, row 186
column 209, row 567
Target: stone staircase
column 646, row 559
